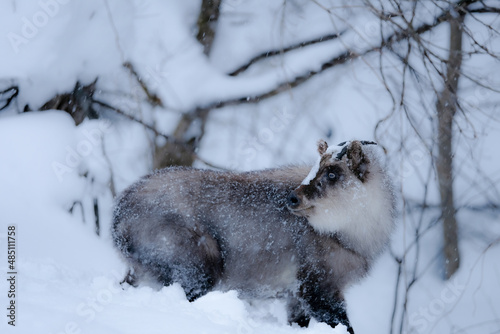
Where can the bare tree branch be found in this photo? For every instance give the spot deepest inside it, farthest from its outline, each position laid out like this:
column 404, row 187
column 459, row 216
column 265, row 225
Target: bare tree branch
column 14, row 91
column 77, row 103
column 485, row 10
column 276, row 52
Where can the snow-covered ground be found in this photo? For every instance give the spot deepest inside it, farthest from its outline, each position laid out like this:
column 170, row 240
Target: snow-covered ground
column 68, row 278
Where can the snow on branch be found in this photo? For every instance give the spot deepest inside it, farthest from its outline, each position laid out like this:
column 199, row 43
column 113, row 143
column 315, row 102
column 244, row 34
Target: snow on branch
column 340, row 59
column 169, row 139
column 271, row 53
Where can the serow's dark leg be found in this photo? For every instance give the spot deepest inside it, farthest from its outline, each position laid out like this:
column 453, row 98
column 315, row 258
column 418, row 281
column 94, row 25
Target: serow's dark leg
column 297, row 312
column 329, row 309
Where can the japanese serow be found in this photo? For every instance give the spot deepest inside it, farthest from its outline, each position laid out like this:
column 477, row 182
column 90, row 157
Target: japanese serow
column 296, row 233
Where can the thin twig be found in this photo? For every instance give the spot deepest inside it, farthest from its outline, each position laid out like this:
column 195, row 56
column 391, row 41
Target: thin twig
column 132, row 118
column 153, row 99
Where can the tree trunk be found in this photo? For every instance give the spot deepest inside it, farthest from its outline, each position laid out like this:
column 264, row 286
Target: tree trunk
column 207, row 20
column 446, row 108
column 173, row 154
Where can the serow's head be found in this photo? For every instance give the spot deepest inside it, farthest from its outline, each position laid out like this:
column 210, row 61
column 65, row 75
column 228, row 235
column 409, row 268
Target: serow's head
column 348, row 193
column 337, row 182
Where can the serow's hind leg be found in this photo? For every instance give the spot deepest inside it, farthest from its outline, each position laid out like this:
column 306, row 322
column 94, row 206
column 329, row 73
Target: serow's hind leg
column 196, row 282
column 134, row 274
column 130, row 278
column 195, row 263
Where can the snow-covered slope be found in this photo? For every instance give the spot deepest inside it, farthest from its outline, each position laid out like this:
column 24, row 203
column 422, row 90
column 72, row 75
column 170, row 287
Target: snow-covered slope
column 67, row 278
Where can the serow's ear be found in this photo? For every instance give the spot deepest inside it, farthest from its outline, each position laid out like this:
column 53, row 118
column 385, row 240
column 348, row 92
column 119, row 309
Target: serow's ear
column 357, row 160
column 322, row 147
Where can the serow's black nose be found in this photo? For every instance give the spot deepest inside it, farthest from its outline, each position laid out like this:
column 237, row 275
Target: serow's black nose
column 293, row 201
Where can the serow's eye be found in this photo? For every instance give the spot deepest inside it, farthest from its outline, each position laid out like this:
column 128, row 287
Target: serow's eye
column 332, row 176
